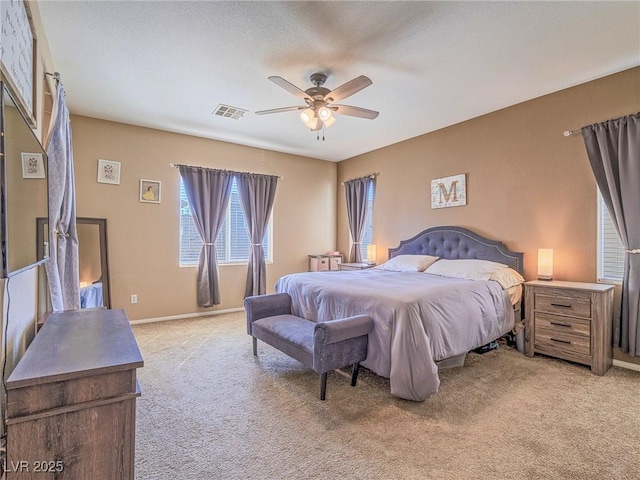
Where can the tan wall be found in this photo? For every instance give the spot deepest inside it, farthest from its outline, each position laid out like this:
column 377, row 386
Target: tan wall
column 144, row 237
column 527, row 184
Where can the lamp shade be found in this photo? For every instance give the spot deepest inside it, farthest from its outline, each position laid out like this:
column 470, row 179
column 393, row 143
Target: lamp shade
column 307, row 115
column 329, row 121
column 545, row 264
column 371, row 253
column 324, row 113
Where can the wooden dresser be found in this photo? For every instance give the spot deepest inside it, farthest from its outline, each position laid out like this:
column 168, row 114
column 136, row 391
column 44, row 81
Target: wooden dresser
column 71, row 400
column 570, row 320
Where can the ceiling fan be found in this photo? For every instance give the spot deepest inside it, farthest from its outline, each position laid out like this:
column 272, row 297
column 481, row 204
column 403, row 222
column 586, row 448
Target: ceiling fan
column 320, row 101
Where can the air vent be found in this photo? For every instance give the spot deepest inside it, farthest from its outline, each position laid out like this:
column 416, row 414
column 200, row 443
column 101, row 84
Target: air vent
column 229, row 112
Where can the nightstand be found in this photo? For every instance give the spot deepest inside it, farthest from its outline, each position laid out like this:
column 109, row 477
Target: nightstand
column 355, row 266
column 570, row 320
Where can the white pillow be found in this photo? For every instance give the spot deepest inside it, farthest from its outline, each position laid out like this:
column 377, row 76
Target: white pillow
column 471, row 269
column 507, row 277
column 408, row 263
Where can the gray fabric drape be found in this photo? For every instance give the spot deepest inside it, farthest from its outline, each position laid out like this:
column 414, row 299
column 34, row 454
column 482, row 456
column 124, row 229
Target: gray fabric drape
column 207, row 191
column 62, row 268
column 357, row 201
column 256, row 196
column 613, row 148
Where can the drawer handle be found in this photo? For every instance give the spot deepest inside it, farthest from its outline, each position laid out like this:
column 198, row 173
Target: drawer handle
column 561, row 341
column 560, row 324
column 564, row 305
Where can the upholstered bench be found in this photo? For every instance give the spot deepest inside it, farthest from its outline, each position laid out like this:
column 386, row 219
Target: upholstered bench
column 321, row 346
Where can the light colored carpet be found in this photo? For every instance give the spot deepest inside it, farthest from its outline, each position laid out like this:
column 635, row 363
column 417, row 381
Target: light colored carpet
column 211, row 410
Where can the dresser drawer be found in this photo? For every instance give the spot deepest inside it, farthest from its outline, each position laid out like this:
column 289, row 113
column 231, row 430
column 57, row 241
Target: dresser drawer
column 563, row 325
column 578, row 305
column 564, row 341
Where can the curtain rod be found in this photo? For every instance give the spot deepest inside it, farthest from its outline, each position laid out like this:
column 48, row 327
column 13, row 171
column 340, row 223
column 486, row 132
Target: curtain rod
column 176, row 165
column 568, row 133
column 55, row 75
column 371, row 175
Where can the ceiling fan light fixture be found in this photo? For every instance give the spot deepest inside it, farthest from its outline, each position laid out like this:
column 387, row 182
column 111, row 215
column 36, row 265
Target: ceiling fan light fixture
column 307, row 116
column 317, row 113
column 329, row 121
column 324, row 113
column 314, row 124
column 310, row 119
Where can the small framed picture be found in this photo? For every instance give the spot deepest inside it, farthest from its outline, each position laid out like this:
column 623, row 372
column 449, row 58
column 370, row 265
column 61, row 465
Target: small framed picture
column 108, row 172
column 449, row 191
column 150, row 191
column 32, row 165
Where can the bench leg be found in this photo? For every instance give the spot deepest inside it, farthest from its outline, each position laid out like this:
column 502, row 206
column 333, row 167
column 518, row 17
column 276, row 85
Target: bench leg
column 323, row 386
column 255, row 345
column 354, row 374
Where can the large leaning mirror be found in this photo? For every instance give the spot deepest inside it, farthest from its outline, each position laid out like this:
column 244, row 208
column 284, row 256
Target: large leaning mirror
column 24, row 195
column 93, row 259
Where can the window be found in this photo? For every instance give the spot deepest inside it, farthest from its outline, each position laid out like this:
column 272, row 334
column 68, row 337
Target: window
column 610, row 249
column 367, row 237
column 232, row 245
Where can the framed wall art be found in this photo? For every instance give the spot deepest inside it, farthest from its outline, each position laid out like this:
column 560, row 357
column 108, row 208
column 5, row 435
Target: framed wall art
column 449, row 191
column 150, row 191
column 18, row 54
column 108, row 172
column 32, row 165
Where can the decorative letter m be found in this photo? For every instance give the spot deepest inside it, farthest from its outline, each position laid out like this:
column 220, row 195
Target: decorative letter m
column 451, row 195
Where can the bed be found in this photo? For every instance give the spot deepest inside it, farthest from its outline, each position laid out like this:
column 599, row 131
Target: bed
column 421, row 319
column 91, row 296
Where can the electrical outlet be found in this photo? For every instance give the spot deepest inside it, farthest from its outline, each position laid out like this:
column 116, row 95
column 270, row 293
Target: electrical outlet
column 134, row 298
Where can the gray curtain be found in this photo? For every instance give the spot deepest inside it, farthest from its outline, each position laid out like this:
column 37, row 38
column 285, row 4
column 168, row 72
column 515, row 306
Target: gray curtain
column 62, row 268
column 357, row 202
column 208, row 193
column 613, row 148
column 256, row 195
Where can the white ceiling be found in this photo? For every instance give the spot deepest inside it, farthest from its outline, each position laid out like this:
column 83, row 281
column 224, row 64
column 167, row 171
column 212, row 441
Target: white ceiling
column 168, row 64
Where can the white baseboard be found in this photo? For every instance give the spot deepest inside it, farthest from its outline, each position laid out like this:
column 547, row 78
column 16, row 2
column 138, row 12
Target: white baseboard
column 630, row 366
column 186, row 315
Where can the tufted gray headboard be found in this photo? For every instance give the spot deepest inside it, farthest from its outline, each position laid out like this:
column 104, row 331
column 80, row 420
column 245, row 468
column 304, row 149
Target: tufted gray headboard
column 458, row 242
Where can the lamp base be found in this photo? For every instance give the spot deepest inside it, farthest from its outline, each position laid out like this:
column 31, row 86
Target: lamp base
column 545, row 278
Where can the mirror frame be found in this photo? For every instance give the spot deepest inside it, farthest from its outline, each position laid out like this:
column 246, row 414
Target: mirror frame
column 4, row 226
column 104, row 250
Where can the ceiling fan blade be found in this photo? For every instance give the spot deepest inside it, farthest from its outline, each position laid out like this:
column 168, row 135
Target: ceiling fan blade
column 354, row 111
column 279, row 110
column 290, row 87
column 347, row 89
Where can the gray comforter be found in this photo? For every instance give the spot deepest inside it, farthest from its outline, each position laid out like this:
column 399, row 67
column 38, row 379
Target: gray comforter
column 419, row 318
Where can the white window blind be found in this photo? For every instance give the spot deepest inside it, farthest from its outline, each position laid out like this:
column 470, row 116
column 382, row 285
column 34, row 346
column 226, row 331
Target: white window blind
column 367, row 237
column 232, row 245
column 610, row 249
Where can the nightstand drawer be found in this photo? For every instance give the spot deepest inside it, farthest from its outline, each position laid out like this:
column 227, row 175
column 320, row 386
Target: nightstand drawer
column 575, row 305
column 563, row 325
column 566, row 342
